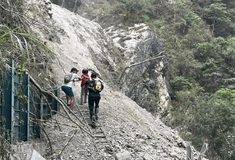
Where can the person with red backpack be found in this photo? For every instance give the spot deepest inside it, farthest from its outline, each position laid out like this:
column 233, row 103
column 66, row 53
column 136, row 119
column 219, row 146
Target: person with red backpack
column 85, row 77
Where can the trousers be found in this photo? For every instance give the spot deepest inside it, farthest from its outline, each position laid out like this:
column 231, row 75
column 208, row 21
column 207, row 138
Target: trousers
column 83, row 94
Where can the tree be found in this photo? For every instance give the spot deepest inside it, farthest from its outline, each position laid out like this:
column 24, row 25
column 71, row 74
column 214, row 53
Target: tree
column 217, row 69
column 212, row 120
column 220, row 18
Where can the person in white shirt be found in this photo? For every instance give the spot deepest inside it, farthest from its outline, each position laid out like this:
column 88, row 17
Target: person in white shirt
column 67, row 87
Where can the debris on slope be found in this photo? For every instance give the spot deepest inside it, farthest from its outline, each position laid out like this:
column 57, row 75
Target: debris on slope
column 132, row 131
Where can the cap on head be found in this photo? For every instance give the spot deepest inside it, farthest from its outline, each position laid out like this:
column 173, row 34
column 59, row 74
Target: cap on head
column 85, row 70
column 93, row 75
column 74, row 69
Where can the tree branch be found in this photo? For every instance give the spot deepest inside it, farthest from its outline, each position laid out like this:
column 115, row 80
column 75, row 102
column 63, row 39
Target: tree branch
column 62, row 103
column 152, row 58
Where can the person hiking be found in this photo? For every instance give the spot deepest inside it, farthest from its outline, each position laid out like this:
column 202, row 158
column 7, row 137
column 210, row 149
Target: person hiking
column 67, row 87
column 95, row 87
column 85, row 77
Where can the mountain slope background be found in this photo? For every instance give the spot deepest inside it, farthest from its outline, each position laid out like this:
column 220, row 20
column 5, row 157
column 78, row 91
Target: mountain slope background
column 198, row 42
column 122, row 119
column 196, row 73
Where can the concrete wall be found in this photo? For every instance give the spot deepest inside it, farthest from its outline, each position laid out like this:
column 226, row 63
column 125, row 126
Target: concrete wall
column 24, row 151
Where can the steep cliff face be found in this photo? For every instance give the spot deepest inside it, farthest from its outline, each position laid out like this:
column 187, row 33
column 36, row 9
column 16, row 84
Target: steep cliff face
column 144, row 83
column 132, row 131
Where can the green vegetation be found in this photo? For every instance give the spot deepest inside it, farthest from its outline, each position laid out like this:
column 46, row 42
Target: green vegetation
column 200, row 48
column 18, row 42
column 5, row 147
column 212, row 120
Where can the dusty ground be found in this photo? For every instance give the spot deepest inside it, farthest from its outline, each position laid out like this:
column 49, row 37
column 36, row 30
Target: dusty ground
column 133, row 133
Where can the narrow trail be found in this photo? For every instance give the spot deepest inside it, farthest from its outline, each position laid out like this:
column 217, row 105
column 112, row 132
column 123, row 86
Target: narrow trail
column 120, row 132
column 100, row 141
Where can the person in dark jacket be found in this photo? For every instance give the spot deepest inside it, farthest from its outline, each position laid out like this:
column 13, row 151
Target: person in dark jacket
column 94, row 96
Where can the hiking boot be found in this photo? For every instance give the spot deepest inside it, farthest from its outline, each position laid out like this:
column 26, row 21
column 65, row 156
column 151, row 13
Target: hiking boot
column 96, row 117
column 93, row 119
column 93, row 122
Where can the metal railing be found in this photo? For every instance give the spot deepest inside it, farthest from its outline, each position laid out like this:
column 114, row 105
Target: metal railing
column 190, row 156
column 19, row 101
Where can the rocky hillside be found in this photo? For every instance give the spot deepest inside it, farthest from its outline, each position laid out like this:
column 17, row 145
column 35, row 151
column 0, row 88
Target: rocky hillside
column 133, row 132
column 146, row 83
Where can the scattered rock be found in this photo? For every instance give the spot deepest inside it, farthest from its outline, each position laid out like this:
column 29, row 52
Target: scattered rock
column 124, row 155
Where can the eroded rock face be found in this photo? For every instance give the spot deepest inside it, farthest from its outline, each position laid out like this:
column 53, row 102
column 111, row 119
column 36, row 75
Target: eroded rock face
column 143, row 83
column 71, row 5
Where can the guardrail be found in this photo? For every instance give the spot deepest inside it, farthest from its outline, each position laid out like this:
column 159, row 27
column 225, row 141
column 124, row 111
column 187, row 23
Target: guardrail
column 189, row 155
column 19, row 101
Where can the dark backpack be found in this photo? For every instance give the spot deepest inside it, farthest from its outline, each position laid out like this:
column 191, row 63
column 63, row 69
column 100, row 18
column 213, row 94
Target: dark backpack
column 95, row 85
column 68, row 77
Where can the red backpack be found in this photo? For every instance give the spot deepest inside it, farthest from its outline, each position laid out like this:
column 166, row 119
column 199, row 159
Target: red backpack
column 84, row 79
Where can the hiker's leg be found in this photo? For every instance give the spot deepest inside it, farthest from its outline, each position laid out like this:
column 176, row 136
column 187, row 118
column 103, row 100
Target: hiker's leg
column 71, row 102
column 85, row 94
column 91, row 106
column 82, row 93
column 96, row 113
column 97, row 100
column 67, row 98
column 64, row 88
column 69, row 93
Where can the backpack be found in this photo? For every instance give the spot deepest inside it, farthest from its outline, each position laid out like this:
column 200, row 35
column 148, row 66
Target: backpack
column 68, row 77
column 98, row 86
column 95, row 86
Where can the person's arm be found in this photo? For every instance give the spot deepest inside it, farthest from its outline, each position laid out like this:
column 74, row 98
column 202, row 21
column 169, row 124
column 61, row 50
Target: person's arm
column 82, row 77
column 76, row 77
